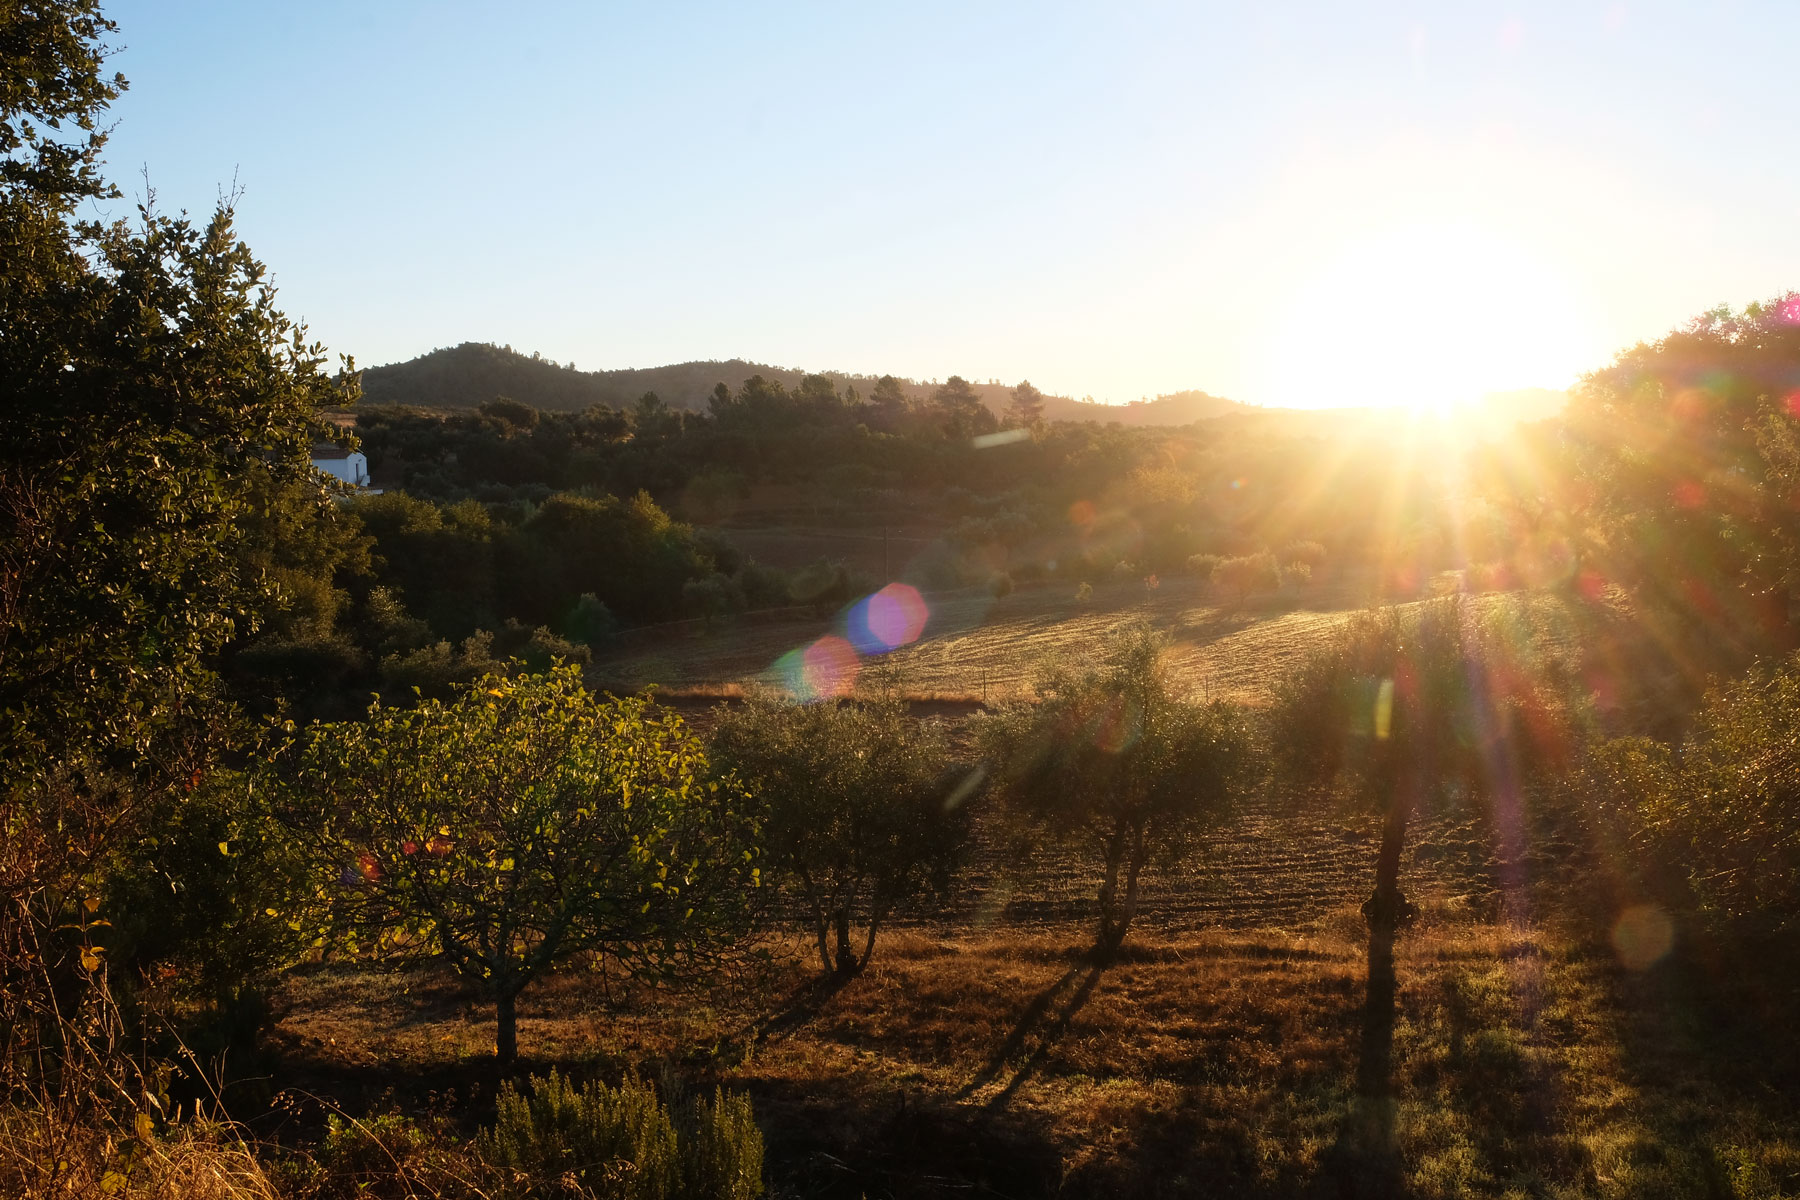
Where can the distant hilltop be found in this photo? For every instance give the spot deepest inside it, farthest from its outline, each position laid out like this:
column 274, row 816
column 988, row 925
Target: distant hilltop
column 473, row 373
column 469, row 375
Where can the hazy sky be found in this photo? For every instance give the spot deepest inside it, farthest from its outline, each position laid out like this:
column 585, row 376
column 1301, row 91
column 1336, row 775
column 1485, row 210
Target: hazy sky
column 1282, row 203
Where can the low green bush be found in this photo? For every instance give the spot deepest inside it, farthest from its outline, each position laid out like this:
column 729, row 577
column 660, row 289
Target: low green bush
column 722, row 1153
column 595, row 1142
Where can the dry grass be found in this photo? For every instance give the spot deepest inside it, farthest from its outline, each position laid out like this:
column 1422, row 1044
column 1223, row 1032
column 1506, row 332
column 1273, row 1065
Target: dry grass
column 44, row 1156
column 977, row 648
column 1523, row 1062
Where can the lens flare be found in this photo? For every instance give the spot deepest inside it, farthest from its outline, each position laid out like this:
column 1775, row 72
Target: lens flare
column 893, row 617
column 822, row 671
column 1642, row 936
column 1116, row 727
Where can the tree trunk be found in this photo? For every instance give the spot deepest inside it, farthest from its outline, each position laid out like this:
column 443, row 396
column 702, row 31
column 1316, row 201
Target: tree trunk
column 846, row 957
column 822, row 927
column 1111, row 930
column 1388, row 908
column 875, row 919
column 506, row 1036
column 1124, row 910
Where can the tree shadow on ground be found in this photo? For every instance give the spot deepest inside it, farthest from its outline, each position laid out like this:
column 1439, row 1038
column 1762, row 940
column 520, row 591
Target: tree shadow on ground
column 1364, row 1161
column 1707, row 1052
column 1037, row 1031
column 909, row 1145
column 799, row 1007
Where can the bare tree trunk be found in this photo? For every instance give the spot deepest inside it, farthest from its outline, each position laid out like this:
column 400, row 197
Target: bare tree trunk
column 822, row 927
column 1111, row 929
column 1129, row 910
column 1388, row 908
column 846, row 957
column 876, row 916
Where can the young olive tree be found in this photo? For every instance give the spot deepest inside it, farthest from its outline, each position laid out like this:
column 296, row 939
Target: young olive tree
column 861, row 810
column 1115, row 758
column 1403, row 710
column 520, row 825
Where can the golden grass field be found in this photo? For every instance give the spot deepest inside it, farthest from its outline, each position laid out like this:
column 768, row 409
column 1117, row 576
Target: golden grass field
column 978, row 647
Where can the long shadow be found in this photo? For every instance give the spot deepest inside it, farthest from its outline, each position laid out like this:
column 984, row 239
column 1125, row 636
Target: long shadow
column 800, row 1007
column 1047, row 1016
column 1365, row 1159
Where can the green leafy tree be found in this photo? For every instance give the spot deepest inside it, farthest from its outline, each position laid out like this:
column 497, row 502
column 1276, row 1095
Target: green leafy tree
column 1114, row 758
column 152, row 400
column 520, row 825
column 1025, row 407
column 959, row 409
column 204, row 896
column 1677, row 472
column 861, row 810
column 887, row 402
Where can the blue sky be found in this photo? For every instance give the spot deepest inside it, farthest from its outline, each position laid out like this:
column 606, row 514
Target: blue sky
column 1284, row 203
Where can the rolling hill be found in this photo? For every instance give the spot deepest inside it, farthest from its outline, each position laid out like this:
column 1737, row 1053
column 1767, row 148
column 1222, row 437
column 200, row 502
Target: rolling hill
column 468, row 375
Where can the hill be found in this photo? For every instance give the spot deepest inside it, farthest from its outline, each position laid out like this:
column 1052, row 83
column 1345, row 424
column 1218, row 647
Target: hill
column 473, row 373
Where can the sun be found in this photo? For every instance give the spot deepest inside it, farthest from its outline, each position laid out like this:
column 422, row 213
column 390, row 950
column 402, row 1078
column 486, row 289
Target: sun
column 1423, row 317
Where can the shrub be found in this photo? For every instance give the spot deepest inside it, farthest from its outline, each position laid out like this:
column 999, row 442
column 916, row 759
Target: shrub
column 1296, row 574
column 1085, row 593
column 604, row 1143
column 358, row 1157
column 593, row 1141
column 590, row 622
column 1114, row 758
column 1310, row 553
column 722, row 1155
column 715, row 595
column 1202, row 565
column 828, row 584
column 1248, row 574
column 1727, row 816
column 1001, row 585
column 763, row 586
column 854, row 799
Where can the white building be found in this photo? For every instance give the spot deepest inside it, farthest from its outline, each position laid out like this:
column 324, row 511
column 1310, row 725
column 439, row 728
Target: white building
column 347, row 465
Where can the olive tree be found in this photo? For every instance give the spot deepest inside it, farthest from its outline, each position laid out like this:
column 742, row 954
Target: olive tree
column 520, row 825
column 861, row 810
column 1115, row 759
column 1407, row 710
